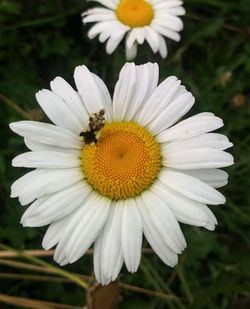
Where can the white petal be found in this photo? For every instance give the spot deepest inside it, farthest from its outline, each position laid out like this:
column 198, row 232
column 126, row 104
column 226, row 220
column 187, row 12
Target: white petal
column 172, row 113
column 113, row 42
column 165, row 222
column 29, row 212
column 184, row 209
column 161, row 4
column 145, row 82
column 170, row 7
column 58, row 205
column 53, row 233
column 158, row 101
column 96, row 15
column 131, row 38
column 124, row 90
column 47, row 134
column 140, row 90
column 91, row 93
column 152, row 38
column 107, row 28
column 108, row 3
column 44, row 182
column 169, row 21
column 112, row 259
column 131, row 52
column 169, row 33
column 63, row 90
column 84, row 227
column 191, row 187
column 191, row 127
column 98, row 261
column 46, row 159
column 140, row 34
column 153, row 79
column 162, row 47
column 209, row 140
column 37, row 146
column 58, row 111
column 213, row 177
column 197, row 158
column 104, row 93
column 131, row 235
column 154, row 237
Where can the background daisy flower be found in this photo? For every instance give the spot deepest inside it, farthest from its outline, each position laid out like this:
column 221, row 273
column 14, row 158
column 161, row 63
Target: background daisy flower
column 139, row 21
column 110, row 170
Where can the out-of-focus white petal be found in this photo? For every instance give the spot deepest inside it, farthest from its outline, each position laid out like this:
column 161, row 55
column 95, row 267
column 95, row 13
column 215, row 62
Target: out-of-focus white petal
column 131, row 52
column 165, row 22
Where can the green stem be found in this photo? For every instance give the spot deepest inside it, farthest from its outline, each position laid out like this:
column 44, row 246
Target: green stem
column 55, row 269
column 15, row 106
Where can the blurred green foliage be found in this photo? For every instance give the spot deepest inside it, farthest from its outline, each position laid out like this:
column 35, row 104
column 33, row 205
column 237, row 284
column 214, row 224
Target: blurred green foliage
column 42, row 39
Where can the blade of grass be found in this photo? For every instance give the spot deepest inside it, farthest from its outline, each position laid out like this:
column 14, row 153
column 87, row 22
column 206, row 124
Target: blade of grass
column 42, row 20
column 148, row 292
column 27, row 266
column 159, row 284
column 14, row 276
column 32, row 303
column 49, row 253
column 15, row 107
column 184, row 284
column 40, row 253
column 21, row 265
column 56, row 270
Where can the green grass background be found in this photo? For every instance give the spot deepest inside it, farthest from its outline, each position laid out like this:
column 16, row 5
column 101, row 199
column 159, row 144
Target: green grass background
column 43, row 39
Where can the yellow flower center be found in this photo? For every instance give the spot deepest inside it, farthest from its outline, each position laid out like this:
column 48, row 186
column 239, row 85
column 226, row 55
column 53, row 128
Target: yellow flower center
column 135, row 13
column 124, row 162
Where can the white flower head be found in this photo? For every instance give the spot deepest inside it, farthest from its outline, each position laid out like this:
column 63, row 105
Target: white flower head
column 108, row 171
column 139, row 21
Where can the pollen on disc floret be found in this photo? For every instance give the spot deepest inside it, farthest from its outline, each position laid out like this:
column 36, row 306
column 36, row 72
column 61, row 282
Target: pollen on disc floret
column 124, row 162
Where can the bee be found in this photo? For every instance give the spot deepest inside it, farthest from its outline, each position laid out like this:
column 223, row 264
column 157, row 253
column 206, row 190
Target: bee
column 96, row 122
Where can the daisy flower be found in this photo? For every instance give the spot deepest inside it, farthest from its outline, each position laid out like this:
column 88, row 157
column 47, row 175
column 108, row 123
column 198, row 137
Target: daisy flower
column 108, row 171
column 139, row 21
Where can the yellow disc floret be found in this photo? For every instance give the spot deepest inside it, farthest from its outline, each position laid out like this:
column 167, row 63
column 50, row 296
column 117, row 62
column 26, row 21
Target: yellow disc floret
column 135, row 13
column 124, row 162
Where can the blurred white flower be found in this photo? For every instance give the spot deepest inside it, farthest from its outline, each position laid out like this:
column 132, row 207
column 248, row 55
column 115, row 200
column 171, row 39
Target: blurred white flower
column 139, row 20
column 108, row 171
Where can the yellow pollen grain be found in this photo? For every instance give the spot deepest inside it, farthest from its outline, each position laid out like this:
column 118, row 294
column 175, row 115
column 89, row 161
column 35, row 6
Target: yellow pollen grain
column 135, row 13
column 124, row 162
